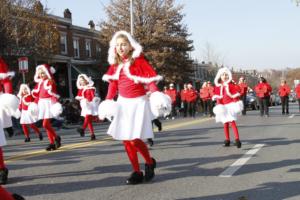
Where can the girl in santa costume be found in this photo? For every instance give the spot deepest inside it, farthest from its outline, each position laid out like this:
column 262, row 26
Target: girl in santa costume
column 9, row 105
column 128, row 75
column 88, row 102
column 228, row 104
column 6, row 87
column 26, row 118
column 46, row 102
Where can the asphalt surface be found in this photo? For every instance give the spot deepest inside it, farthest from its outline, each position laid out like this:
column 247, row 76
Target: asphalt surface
column 191, row 163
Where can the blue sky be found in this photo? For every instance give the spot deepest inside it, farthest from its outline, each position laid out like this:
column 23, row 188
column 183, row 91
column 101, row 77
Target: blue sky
column 246, row 34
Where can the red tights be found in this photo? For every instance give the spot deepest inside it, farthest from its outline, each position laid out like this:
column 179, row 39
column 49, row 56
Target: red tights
column 26, row 132
column 50, row 131
column 88, row 122
column 134, row 146
column 2, row 165
column 5, row 195
column 234, row 128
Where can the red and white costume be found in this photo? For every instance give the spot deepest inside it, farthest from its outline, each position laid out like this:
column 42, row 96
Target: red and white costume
column 46, row 97
column 132, row 111
column 228, row 105
column 88, row 102
column 26, row 117
column 6, row 87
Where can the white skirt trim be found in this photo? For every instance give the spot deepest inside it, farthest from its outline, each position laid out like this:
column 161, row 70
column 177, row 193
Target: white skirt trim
column 227, row 112
column 88, row 108
column 132, row 120
column 27, row 118
column 44, row 108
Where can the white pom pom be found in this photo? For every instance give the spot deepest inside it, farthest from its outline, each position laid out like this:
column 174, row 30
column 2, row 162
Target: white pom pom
column 219, row 109
column 52, row 70
column 9, row 103
column 107, row 109
column 56, row 109
column 160, row 104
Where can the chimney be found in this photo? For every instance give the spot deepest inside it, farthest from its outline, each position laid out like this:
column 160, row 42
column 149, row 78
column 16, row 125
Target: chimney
column 67, row 14
column 92, row 25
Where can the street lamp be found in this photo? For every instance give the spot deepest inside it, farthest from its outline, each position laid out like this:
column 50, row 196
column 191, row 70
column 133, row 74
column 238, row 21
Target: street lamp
column 131, row 17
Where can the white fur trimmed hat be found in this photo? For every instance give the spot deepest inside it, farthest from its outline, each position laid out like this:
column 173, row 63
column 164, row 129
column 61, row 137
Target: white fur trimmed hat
column 49, row 71
column 85, row 77
column 4, row 73
column 22, row 86
column 220, row 72
column 113, row 43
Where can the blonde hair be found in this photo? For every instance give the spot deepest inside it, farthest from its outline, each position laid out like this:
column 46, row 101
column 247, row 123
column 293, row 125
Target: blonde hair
column 118, row 59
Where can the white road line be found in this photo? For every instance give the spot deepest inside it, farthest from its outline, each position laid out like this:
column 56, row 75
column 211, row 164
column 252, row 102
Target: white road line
column 293, row 115
column 240, row 162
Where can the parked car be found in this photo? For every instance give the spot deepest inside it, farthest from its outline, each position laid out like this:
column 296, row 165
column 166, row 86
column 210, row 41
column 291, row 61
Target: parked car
column 251, row 101
column 275, row 99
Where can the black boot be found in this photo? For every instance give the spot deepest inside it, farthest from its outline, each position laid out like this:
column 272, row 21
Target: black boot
column 81, row 132
column 10, row 131
column 3, row 176
column 149, row 170
column 27, row 139
column 18, row 197
column 58, row 141
column 238, row 143
column 51, row 147
column 93, row 137
column 150, row 142
column 41, row 137
column 135, row 178
column 226, row 143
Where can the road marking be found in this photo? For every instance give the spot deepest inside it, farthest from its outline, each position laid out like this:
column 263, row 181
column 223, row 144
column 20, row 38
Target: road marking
column 240, row 162
column 293, row 115
column 30, row 154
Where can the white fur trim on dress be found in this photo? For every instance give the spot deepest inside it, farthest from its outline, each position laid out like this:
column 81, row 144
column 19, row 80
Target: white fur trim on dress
column 9, row 103
column 47, row 72
column 56, row 109
column 160, row 104
column 6, row 75
column 220, row 72
column 48, row 88
column 107, row 109
column 135, row 78
column 113, row 43
column 227, row 112
column 87, row 78
column 22, row 86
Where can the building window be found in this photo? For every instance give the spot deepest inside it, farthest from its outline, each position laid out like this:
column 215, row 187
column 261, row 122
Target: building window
column 88, row 48
column 98, row 50
column 63, row 44
column 76, row 47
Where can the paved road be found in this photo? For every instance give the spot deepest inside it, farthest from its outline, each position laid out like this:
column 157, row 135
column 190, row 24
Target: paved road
column 192, row 163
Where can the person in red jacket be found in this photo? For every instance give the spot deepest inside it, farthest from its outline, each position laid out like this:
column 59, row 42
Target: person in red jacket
column 297, row 90
column 47, row 105
column 88, row 102
column 26, row 118
column 172, row 93
column 284, row 91
column 263, row 91
column 130, row 74
column 183, row 93
column 191, row 97
column 206, row 93
column 228, row 104
column 243, row 91
column 6, row 87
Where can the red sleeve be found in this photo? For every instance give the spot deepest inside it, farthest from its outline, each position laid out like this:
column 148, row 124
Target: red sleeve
column 152, row 87
column 112, row 90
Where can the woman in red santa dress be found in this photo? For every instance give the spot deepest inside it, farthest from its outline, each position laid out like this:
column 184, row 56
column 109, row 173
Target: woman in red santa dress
column 46, row 98
column 228, row 104
column 9, row 105
column 128, row 74
column 88, row 102
column 26, row 118
column 6, row 87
